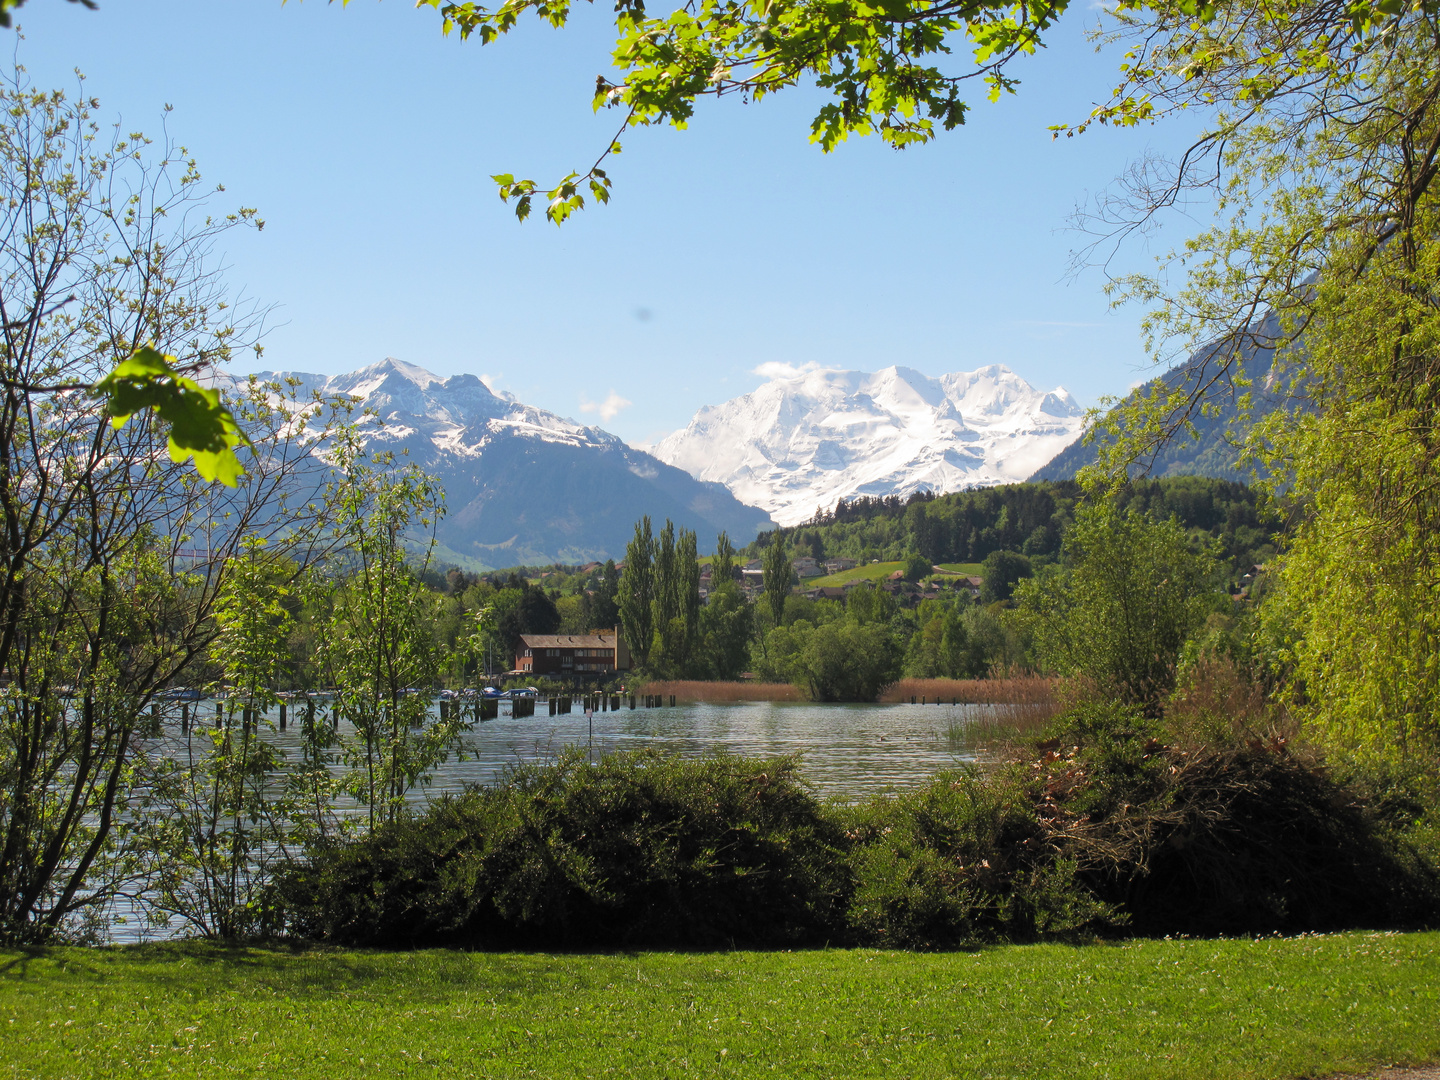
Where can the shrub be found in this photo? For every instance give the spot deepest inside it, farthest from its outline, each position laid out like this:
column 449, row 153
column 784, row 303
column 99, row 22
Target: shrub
column 846, row 661
column 634, row 850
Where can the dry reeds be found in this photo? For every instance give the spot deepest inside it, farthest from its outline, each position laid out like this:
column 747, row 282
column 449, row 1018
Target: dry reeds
column 1217, row 700
column 1012, row 689
column 1022, row 704
column 691, row 690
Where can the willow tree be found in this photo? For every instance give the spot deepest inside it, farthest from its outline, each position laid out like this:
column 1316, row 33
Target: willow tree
column 1320, row 277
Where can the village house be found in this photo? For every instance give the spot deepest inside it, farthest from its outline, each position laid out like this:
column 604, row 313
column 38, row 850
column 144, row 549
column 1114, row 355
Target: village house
column 807, row 567
column 837, row 566
column 573, row 656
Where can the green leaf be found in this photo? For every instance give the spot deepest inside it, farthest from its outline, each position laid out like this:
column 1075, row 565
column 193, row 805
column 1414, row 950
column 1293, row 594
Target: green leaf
column 200, row 425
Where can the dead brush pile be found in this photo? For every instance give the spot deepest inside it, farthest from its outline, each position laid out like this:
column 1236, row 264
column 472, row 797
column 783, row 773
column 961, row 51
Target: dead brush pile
column 1108, row 824
column 1246, row 837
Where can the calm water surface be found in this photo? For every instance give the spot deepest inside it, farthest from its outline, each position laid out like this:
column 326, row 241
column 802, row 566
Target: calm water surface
column 847, row 751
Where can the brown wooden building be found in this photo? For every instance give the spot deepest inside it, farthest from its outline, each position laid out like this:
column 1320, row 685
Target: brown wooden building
column 580, row 656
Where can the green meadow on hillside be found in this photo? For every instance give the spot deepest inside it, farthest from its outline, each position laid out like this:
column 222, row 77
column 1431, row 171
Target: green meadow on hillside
column 882, row 570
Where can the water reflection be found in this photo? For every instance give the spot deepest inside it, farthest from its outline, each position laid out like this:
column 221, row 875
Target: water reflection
column 848, row 752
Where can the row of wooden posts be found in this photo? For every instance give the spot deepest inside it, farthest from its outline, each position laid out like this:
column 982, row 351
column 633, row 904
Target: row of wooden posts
column 608, row 702
column 247, row 715
column 483, row 708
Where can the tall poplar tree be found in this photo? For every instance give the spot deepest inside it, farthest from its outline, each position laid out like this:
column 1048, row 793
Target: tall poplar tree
column 667, row 585
column 776, row 578
column 722, row 566
column 636, row 592
column 687, row 574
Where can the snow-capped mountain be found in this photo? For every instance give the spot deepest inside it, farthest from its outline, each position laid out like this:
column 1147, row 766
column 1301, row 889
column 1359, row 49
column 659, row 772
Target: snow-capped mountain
column 798, row 444
column 523, row 485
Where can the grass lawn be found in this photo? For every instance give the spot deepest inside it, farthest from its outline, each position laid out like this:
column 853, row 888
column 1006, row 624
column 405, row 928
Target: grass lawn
column 882, row 570
column 1211, row 1009
column 969, row 569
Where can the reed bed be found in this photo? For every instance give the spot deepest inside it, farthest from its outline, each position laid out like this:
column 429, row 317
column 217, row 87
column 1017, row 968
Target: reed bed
column 692, row 690
column 1032, row 690
column 1023, row 705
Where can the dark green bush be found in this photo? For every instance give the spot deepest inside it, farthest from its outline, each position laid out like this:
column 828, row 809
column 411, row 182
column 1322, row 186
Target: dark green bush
column 1103, row 823
column 634, row 850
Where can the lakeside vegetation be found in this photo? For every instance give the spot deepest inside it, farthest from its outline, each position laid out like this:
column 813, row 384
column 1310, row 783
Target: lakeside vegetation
column 1101, row 822
column 1245, row 733
column 1266, row 1009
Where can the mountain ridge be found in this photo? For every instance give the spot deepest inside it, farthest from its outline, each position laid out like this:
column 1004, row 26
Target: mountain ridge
column 523, row 485
column 802, row 442
column 1215, row 448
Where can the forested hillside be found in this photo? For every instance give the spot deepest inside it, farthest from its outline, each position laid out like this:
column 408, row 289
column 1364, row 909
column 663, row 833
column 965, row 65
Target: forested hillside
column 1214, row 448
column 967, row 526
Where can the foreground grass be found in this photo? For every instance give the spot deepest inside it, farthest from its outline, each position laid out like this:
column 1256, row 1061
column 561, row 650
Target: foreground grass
column 1212, row 1009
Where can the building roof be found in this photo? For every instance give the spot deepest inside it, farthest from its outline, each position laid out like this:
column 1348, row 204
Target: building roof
column 568, row 641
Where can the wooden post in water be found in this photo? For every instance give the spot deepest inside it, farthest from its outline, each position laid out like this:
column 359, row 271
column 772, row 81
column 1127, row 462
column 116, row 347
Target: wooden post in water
column 184, row 718
column 219, row 714
column 245, row 717
column 672, row 701
column 632, row 702
column 282, row 716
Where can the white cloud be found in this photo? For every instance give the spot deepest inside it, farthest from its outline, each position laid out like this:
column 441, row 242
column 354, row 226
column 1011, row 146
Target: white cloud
column 778, row 369
column 492, row 383
column 651, row 441
column 608, row 409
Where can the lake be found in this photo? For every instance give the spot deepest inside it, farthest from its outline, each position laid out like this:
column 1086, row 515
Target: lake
column 848, row 751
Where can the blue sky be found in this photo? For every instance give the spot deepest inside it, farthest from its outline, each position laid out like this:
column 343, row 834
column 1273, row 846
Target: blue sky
column 367, row 140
